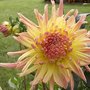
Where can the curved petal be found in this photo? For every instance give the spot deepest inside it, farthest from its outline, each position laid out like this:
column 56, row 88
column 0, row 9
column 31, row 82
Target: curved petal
column 87, row 68
column 69, row 13
column 48, row 74
column 71, row 21
column 28, row 53
column 30, row 70
column 25, row 41
column 40, row 74
column 39, row 17
column 88, row 34
column 46, row 13
column 53, row 9
column 21, row 64
column 8, row 65
column 81, row 31
column 60, row 11
column 76, row 69
column 79, row 23
column 86, row 50
column 76, row 13
column 51, row 84
column 60, row 79
column 71, row 80
column 17, row 52
column 26, row 21
column 30, row 61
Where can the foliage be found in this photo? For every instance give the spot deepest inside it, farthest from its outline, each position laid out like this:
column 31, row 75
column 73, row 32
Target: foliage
column 16, row 24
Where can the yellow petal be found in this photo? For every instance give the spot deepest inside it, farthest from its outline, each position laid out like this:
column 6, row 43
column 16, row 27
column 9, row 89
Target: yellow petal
column 27, row 54
column 22, row 42
column 53, row 9
column 30, row 70
column 30, row 61
column 49, row 73
column 40, row 74
column 17, row 52
column 76, row 69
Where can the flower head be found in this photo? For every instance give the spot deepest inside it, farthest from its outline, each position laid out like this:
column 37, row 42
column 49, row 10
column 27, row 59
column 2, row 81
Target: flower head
column 56, row 47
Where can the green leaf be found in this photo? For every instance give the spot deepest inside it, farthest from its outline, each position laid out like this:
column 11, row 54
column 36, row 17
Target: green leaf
column 12, row 84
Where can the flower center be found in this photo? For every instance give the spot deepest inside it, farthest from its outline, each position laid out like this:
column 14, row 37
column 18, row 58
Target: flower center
column 55, row 45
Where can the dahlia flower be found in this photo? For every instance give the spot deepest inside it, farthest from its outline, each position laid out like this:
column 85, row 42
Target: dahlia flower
column 55, row 47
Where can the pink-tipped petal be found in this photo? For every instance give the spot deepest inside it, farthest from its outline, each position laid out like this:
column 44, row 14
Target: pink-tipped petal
column 69, row 13
column 30, row 70
column 46, row 13
column 53, row 2
column 24, row 34
column 71, row 81
column 39, row 17
column 88, row 34
column 48, row 75
column 17, row 53
column 21, row 64
column 86, row 50
column 87, row 68
column 79, row 23
column 40, row 75
column 60, row 79
column 76, row 13
column 71, row 21
column 51, row 84
column 82, row 31
column 26, row 21
column 22, row 40
column 60, row 11
column 57, row 79
column 76, row 69
column 8, row 65
column 53, row 8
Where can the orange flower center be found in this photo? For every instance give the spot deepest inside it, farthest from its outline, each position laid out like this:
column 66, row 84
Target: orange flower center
column 55, row 45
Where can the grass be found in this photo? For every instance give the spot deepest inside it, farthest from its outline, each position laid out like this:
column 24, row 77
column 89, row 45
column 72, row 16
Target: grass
column 11, row 8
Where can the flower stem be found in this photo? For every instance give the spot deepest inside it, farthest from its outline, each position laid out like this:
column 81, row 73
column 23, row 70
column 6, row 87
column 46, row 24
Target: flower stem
column 34, row 87
column 45, row 86
column 24, row 79
column 24, row 83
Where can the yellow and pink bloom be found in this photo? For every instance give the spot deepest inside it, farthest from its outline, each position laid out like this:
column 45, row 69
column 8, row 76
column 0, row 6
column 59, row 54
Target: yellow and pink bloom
column 55, row 47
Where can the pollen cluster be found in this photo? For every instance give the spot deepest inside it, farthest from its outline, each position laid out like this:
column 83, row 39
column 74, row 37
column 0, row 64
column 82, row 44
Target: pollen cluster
column 55, row 45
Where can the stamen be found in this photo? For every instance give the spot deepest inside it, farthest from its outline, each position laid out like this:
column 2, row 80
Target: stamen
column 55, row 45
